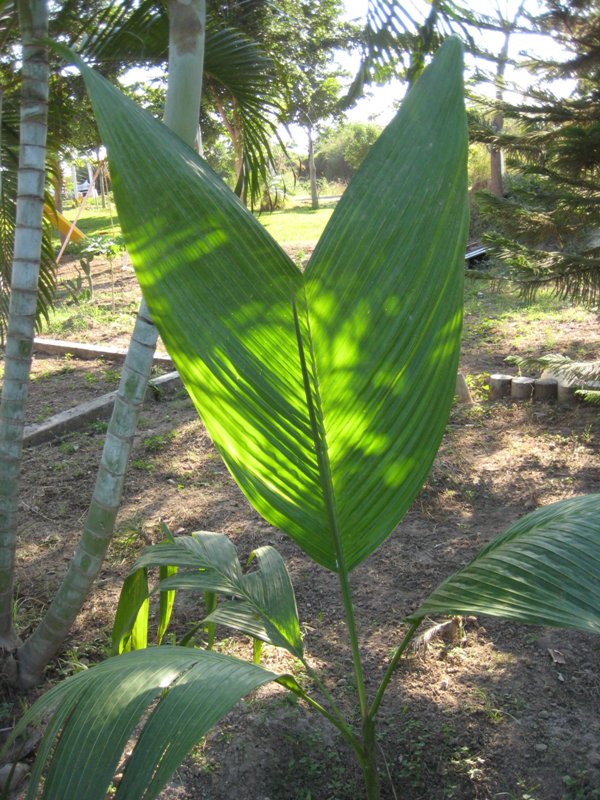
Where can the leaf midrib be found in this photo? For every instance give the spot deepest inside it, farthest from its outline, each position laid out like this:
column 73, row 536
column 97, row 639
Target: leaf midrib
column 317, row 425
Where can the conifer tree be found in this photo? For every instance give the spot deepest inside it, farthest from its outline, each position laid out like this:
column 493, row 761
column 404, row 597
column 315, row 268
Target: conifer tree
column 547, row 225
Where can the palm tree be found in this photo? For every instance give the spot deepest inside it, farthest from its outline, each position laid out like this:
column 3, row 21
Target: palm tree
column 9, row 158
column 33, row 18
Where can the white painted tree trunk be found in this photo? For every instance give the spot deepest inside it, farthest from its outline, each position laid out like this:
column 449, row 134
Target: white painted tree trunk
column 496, row 156
column 312, row 172
column 33, row 16
column 182, row 112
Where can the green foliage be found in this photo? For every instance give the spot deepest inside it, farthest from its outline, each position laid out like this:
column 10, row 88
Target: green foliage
column 341, row 150
column 545, row 230
column 282, row 427
column 306, row 380
column 196, row 686
column 260, row 602
column 543, row 570
column 154, row 444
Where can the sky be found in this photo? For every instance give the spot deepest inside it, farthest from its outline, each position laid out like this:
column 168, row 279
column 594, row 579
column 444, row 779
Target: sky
column 381, row 102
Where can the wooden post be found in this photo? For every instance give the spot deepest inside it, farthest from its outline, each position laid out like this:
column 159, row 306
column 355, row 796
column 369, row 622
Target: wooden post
column 522, row 388
column 545, row 390
column 566, row 395
column 500, row 386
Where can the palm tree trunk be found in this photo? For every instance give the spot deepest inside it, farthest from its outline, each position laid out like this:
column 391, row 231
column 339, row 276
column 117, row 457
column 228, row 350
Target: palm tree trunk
column 33, row 16
column 312, row 172
column 100, row 171
column 46, row 640
column 182, row 112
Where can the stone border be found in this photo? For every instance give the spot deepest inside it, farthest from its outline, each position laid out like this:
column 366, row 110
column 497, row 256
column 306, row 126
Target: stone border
column 84, row 350
column 99, row 409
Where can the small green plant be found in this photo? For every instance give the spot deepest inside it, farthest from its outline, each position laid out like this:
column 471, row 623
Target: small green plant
column 75, row 290
column 43, row 413
column 67, row 367
column 579, row 787
column 111, row 375
column 494, row 714
column 466, row 763
column 128, row 539
column 98, row 426
column 479, row 385
column 68, row 448
column 70, row 662
column 100, row 246
column 142, row 464
column 412, row 753
column 155, row 443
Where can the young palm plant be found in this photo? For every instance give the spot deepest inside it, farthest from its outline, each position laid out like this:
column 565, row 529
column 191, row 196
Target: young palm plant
column 326, row 392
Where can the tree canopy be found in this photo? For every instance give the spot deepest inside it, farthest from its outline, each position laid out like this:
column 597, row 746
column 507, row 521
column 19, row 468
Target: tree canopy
column 547, row 224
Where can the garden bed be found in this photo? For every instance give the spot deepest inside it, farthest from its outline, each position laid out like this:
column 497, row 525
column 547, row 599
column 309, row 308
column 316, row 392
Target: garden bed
column 508, row 712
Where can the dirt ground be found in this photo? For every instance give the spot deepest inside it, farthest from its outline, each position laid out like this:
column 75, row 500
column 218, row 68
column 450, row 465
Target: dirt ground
column 510, row 712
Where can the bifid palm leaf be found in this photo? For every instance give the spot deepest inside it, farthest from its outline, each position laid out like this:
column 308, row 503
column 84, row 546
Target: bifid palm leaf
column 187, row 692
column 325, row 392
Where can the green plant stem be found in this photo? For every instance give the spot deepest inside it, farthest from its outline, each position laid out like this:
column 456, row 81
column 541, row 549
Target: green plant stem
column 337, row 722
column 369, row 762
column 391, row 668
column 315, row 411
column 370, row 772
column 314, row 675
column 210, row 602
column 353, row 635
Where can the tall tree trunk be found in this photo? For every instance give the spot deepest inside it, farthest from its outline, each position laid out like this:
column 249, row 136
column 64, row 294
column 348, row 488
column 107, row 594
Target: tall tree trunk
column 234, row 130
column 496, row 185
column 312, row 172
column 182, row 112
column 496, row 156
column 92, row 183
column 33, row 16
column 100, row 169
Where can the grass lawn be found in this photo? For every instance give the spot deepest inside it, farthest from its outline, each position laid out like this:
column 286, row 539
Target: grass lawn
column 295, row 227
column 93, row 221
column 298, row 226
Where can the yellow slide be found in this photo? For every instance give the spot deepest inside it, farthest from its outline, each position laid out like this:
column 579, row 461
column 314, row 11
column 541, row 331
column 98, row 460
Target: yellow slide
column 62, row 224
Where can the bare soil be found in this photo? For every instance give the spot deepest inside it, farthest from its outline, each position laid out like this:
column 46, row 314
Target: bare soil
column 508, row 712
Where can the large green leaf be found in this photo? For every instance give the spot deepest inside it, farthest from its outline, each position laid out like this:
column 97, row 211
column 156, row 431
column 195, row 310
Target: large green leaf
column 186, row 691
column 544, row 569
column 130, row 628
column 326, row 392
